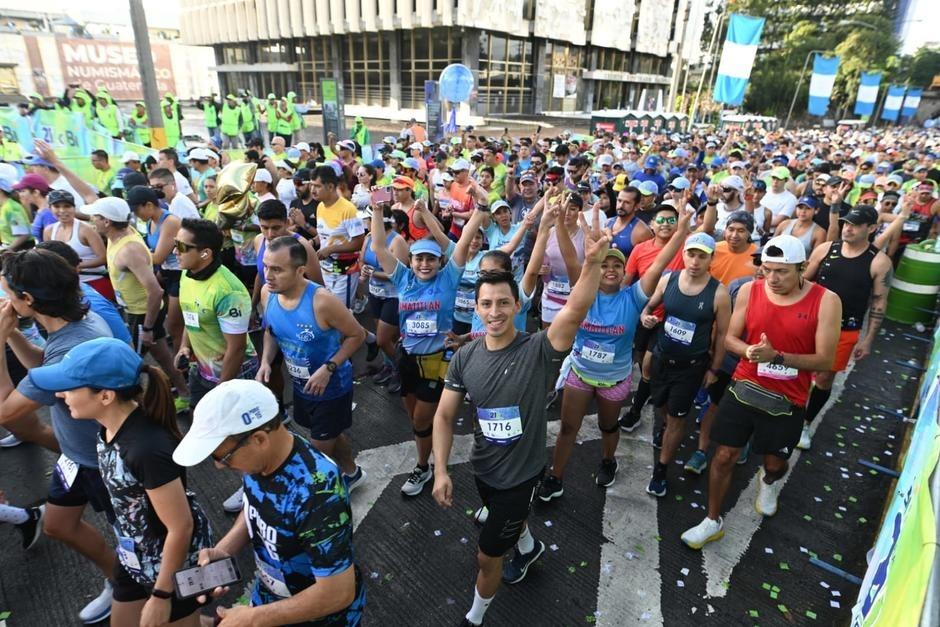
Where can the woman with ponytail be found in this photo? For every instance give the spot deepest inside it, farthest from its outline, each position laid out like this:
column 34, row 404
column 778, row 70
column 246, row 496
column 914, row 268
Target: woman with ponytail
column 160, row 526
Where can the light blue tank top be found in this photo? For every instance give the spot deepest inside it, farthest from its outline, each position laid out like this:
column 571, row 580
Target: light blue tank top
column 426, row 308
column 306, row 345
column 379, row 288
column 465, row 302
column 171, row 262
column 603, row 347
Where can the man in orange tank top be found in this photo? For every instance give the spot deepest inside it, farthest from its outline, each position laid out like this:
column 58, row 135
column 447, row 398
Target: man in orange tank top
column 784, row 328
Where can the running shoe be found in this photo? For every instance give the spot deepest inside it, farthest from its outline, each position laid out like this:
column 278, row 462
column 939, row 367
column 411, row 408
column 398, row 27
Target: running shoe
column 606, row 473
column 32, row 528
column 629, row 421
column 745, row 454
column 394, row 384
column 551, row 400
column 551, row 488
column 658, row 438
column 657, row 486
column 382, row 376
column 359, row 305
column 806, row 439
column 697, row 463
column 182, row 404
column 701, row 412
column 354, row 481
column 701, row 534
column 99, row 608
column 480, row 516
column 767, row 496
column 701, row 397
column 415, row 481
column 372, row 350
column 10, row 441
column 515, row 569
column 234, row 503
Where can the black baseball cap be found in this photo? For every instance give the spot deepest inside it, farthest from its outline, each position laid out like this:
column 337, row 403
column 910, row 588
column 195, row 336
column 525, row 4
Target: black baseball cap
column 141, row 194
column 60, row 197
column 303, row 175
column 861, row 214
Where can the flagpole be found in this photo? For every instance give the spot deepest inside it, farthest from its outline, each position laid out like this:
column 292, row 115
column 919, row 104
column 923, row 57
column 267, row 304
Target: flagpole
column 701, row 81
column 799, row 84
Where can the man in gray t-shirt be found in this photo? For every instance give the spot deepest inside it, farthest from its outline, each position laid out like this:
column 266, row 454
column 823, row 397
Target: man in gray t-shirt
column 508, row 374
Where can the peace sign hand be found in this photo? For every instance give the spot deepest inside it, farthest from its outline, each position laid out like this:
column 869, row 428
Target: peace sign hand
column 596, row 238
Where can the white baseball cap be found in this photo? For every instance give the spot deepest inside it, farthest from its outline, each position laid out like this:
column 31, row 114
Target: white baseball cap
column 230, row 408
column 200, row 154
column 130, row 155
column 263, row 176
column 303, row 146
column 284, row 165
column 783, row 249
column 416, row 146
column 110, row 208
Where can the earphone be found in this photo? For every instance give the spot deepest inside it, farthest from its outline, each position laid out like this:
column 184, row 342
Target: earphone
column 204, row 255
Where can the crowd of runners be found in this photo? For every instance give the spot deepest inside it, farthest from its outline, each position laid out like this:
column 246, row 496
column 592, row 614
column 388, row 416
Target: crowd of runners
column 733, row 270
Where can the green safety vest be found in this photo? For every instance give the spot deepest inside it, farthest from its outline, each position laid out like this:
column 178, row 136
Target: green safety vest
column 230, row 120
column 210, row 114
column 85, row 110
column 142, row 129
column 284, row 127
column 269, row 110
column 172, row 128
column 248, row 118
column 10, row 150
column 108, row 116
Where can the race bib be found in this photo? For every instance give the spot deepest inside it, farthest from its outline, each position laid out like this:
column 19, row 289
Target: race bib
column 272, row 578
column 559, row 286
column 911, row 226
column 597, row 353
column 119, row 298
column 67, row 471
column 127, row 553
column 238, row 237
column 771, row 371
column 296, row 370
column 421, row 324
column 191, row 319
column 500, row 425
column 465, row 300
column 679, row 330
column 378, row 289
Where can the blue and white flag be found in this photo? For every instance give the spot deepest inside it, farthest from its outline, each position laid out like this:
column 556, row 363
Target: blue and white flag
column 737, row 58
column 867, row 93
column 820, row 84
column 892, row 106
column 911, row 102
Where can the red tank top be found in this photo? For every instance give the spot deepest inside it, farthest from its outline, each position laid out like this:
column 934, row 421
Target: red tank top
column 789, row 329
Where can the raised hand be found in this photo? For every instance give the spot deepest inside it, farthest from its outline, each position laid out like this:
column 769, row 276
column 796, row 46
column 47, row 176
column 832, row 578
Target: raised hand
column 596, row 238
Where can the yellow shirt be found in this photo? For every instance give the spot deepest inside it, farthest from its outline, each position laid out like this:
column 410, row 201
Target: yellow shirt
column 130, row 293
column 338, row 224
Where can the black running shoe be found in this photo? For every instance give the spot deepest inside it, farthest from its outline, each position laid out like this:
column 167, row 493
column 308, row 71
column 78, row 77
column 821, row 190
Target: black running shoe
column 658, row 438
column 629, row 421
column 551, row 488
column 606, row 473
column 372, row 350
column 32, row 528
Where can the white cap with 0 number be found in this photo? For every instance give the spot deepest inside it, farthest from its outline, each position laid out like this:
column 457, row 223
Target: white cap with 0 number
column 231, row 408
column 783, row 249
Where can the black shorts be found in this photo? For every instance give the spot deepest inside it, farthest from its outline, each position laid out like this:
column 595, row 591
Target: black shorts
column 326, row 420
column 384, row 309
column 717, row 389
column 15, row 368
column 87, row 487
column 127, row 590
column 423, row 375
column 199, row 387
column 171, row 282
column 675, row 383
column 508, row 510
column 736, row 423
column 644, row 339
column 461, row 328
column 135, row 322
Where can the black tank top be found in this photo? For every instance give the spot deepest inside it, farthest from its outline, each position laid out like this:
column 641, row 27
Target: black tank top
column 687, row 329
column 850, row 279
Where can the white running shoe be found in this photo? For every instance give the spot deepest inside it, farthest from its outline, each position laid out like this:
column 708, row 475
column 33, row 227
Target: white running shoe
column 480, row 516
column 234, row 503
column 767, row 494
column 701, row 534
column 415, row 482
column 99, row 608
column 806, row 439
column 10, row 441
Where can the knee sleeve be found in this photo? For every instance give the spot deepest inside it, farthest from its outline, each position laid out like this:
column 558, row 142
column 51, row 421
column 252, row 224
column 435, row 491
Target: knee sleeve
column 424, row 433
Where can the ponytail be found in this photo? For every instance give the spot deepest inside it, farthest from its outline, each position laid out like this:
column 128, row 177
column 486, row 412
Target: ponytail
column 156, row 399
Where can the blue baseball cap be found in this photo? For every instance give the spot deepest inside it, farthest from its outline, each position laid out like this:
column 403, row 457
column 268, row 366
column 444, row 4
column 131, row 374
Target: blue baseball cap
column 651, row 163
column 717, row 161
column 809, row 201
column 426, row 246
column 105, row 363
column 700, row 241
column 33, row 159
column 760, row 185
column 648, row 188
column 680, row 183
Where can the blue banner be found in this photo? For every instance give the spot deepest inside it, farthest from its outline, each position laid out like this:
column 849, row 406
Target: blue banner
column 911, row 102
column 737, row 58
column 867, row 93
column 820, row 84
column 892, row 106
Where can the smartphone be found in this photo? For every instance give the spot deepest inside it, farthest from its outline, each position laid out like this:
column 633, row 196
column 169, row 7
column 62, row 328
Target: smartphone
column 191, row 582
column 382, row 194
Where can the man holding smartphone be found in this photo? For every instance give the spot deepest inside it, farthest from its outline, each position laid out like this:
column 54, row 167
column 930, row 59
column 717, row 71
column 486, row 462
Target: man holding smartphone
column 296, row 515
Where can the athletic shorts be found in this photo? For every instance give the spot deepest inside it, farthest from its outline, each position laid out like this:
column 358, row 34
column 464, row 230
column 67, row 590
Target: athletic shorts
column 87, row 487
column 508, row 510
column 844, row 349
column 675, row 383
column 127, row 590
column 717, row 389
column 14, row 367
column 644, row 339
column 461, row 328
column 736, row 423
column 343, row 286
column 326, row 420
column 384, row 309
column 135, row 322
column 199, row 387
column 423, row 375
column 171, row 282
column 615, row 394
column 550, row 307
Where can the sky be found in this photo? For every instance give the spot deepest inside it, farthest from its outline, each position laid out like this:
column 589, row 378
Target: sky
column 164, row 13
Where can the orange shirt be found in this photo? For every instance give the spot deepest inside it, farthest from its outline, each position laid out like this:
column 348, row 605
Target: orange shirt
column 728, row 266
column 644, row 254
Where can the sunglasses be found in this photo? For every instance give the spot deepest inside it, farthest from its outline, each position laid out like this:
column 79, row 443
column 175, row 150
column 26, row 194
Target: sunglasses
column 662, row 220
column 228, row 456
column 183, row 247
column 728, row 189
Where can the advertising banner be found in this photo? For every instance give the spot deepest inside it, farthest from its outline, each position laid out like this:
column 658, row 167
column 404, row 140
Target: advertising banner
column 113, row 65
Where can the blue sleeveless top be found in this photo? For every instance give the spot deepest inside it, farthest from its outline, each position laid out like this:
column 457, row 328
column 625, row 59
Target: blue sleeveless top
column 466, row 300
column 623, row 241
column 379, row 288
column 171, row 262
column 259, row 262
column 306, row 345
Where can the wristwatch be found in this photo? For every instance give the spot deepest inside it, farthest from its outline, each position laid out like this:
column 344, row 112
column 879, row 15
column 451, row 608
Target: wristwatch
column 331, row 366
column 161, row 594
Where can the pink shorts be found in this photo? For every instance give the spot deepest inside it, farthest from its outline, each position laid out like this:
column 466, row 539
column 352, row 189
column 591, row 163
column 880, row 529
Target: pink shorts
column 615, row 394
